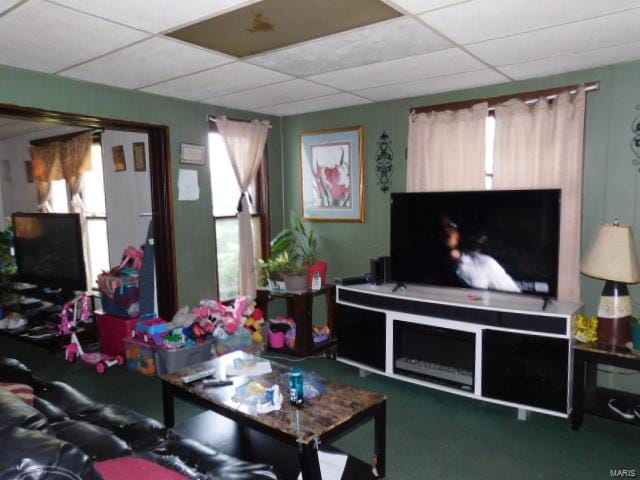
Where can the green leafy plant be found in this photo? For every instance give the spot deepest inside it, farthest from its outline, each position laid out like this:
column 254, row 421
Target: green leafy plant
column 7, row 263
column 298, row 240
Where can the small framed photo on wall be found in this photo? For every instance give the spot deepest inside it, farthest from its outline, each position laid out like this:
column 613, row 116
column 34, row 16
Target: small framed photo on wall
column 192, row 154
column 119, row 163
column 139, row 158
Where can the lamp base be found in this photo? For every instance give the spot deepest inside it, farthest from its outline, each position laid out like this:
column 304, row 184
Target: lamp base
column 614, row 314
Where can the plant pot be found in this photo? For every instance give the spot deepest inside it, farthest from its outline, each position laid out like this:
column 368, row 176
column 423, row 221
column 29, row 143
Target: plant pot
column 321, row 268
column 295, row 283
column 275, row 281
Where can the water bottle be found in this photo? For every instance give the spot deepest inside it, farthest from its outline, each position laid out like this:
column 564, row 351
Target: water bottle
column 295, row 387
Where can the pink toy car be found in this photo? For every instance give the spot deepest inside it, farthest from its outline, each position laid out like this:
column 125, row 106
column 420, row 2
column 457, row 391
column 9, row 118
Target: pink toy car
column 151, row 330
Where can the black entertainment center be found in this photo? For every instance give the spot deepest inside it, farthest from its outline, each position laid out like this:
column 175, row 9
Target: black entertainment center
column 473, row 316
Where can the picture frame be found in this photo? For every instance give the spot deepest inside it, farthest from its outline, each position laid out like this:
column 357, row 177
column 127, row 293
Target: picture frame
column 192, row 154
column 139, row 157
column 332, row 174
column 119, row 162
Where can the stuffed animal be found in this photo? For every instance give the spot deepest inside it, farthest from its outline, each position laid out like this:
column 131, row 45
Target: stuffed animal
column 182, row 318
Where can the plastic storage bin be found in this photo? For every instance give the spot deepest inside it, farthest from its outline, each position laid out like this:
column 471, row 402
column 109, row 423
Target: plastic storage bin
column 112, row 330
column 169, row 361
column 139, row 356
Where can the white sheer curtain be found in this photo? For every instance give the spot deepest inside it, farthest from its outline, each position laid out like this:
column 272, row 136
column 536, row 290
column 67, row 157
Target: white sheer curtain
column 446, row 150
column 245, row 145
column 541, row 146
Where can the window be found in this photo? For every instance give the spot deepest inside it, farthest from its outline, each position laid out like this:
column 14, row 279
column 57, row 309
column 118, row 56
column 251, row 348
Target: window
column 225, row 194
column 93, row 197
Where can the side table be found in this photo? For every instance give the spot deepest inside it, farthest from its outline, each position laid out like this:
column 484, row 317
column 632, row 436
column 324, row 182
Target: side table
column 587, row 396
column 300, row 308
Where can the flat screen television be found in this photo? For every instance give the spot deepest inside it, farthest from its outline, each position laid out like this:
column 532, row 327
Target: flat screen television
column 48, row 250
column 505, row 240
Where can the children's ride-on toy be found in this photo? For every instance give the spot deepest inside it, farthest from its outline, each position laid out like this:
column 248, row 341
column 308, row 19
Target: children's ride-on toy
column 73, row 351
column 150, row 329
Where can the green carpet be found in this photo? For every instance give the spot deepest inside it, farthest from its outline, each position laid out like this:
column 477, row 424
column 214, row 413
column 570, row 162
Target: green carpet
column 430, row 434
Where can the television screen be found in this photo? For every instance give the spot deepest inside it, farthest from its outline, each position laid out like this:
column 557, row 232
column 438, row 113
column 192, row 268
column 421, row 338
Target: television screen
column 48, row 248
column 504, row 240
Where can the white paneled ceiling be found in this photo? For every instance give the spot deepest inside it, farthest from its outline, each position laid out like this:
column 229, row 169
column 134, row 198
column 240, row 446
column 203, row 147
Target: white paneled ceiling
column 435, row 46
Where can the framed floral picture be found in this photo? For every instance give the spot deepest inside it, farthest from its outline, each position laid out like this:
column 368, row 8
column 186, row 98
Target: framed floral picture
column 332, row 163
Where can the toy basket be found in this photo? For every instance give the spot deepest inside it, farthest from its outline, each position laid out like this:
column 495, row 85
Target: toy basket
column 241, row 340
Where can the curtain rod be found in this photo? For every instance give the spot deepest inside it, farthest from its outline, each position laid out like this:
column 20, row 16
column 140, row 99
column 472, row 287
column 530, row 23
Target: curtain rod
column 215, row 119
column 527, row 97
column 39, row 142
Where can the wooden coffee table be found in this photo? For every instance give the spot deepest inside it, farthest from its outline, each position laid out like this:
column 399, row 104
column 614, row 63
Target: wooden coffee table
column 320, row 420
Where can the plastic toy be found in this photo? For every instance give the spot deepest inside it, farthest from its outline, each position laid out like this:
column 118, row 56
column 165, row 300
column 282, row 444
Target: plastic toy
column 151, row 329
column 73, row 351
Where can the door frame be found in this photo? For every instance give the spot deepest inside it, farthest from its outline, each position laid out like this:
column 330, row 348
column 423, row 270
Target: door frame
column 161, row 191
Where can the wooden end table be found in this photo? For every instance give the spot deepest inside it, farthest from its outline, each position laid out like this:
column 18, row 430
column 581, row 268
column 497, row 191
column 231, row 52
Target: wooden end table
column 587, row 396
column 300, row 308
column 320, row 420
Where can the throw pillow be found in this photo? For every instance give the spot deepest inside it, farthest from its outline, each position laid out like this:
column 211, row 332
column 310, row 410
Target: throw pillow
column 21, row 390
column 134, row 468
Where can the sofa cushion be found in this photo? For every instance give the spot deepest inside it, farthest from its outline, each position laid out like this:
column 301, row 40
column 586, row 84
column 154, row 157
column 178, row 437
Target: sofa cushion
column 67, row 398
column 28, row 454
column 134, row 468
column 49, row 410
column 12, row 370
column 21, row 390
column 15, row 413
column 139, row 431
column 197, row 461
column 97, row 442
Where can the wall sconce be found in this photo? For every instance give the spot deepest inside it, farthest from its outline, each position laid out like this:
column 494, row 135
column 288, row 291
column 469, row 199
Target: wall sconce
column 635, row 141
column 384, row 162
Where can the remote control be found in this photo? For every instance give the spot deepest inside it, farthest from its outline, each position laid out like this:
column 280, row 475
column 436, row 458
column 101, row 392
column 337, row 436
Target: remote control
column 198, row 376
column 212, row 382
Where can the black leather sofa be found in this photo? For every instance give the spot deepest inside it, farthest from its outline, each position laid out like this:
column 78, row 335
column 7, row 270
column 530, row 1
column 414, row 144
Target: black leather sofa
column 67, row 431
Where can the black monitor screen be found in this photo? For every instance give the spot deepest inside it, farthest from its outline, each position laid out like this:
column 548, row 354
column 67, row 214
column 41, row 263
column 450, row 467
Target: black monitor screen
column 495, row 240
column 49, row 250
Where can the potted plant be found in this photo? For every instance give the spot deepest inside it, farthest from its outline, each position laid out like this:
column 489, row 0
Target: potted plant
column 301, row 242
column 272, row 272
column 7, row 265
column 295, row 274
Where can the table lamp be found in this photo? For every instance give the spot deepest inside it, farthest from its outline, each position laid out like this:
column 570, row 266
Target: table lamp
column 612, row 257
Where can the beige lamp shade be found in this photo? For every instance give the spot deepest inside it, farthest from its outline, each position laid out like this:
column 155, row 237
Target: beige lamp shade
column 612, row 255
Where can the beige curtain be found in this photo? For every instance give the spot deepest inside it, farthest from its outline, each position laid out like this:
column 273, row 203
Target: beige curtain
column 540, row 145
column 446, row 150
column 245, row 143
column 58, row 160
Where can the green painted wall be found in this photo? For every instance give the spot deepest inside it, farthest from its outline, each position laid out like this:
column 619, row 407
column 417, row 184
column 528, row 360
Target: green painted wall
column 187, row 122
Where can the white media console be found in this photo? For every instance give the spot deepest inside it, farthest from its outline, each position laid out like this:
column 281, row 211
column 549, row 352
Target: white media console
column 499, row 347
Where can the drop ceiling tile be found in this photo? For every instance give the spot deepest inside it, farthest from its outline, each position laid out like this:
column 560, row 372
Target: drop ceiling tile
column 445, row 83
column 40, row 36
column 378, row 42
column 573, row 62
column 313, row 105
column 7, row 4
column 219, row 81
column 147, row 63
column 480, row 20
column 427, row 65
column 285, row 92
column 419, row 6
column 158, row 15
column 601, row 32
